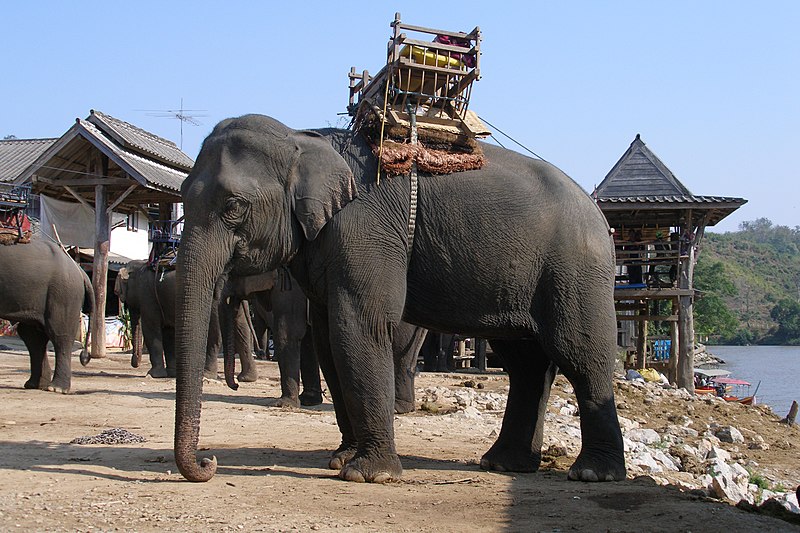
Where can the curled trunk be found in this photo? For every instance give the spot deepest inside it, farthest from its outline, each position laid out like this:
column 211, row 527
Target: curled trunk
column 198, row 269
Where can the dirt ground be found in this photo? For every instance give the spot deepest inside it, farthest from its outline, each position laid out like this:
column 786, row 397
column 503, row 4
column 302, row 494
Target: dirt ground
column 272, row 474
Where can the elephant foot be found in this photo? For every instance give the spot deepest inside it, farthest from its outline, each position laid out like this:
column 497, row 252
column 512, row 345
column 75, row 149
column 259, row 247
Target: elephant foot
column 308, row 399
column 598, row 466
column 403, row 406
column 59, row 386
column 342, row 456
column 248, row 377
column 501, row 458
column 210, row 374
column 372, row 469
column 286, row 401
column 158, row 372
column 40, row 384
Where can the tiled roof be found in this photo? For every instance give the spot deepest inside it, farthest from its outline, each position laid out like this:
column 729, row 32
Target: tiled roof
column 640, row 173
column 151, row 170
column 138, row 140
column 17, row 154
column 669, row 199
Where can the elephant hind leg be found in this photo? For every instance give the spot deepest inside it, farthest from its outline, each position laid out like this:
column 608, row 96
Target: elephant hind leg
column 62, row 374
column 530, row 373
column 36, row 342
column 589, row 368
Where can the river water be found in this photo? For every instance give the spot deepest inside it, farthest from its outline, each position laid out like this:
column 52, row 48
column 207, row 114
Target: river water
column 777, row 367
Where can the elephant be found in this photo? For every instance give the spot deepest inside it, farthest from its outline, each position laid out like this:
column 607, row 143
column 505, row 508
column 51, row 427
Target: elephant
column 149, row 295
column 485, row 253
column 280, row 305
column 44, row 290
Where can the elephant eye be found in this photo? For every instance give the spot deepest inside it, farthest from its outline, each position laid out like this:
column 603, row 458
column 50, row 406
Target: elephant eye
column 235, row 210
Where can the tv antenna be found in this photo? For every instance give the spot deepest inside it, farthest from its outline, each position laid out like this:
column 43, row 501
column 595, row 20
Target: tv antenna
column 188, row 116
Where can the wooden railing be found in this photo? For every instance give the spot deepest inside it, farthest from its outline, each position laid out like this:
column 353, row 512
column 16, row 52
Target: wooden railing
column 647, row 263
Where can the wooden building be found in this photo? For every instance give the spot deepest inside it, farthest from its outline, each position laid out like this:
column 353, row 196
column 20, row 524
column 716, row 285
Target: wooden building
column 658, row 225
column 109, row 166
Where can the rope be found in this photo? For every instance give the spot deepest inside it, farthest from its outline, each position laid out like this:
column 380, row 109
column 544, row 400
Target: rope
column 513, row 140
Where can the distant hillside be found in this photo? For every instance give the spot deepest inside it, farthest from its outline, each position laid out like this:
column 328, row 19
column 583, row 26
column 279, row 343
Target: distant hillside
column 751, row 285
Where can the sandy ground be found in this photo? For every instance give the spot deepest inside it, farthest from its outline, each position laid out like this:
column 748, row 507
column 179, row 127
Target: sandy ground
column 272, row 474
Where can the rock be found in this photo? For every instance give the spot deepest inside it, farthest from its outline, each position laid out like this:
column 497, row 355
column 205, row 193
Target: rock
column 729, row 434
column 644, row 435
column 646, row 462
column 718, row 453
column 727, row 482
column 627, row 424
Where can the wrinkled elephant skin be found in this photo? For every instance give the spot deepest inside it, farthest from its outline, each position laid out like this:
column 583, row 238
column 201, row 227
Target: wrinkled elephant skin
column 44, row 290
column 515, row 252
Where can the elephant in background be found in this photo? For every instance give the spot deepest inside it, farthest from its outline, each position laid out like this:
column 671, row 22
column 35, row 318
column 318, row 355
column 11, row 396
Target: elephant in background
column 280, row 305
column 44, row 290
column 149, row 294
column 516, row 270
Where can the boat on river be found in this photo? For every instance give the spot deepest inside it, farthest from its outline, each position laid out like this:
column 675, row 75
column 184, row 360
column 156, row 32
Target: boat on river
column 718, row 382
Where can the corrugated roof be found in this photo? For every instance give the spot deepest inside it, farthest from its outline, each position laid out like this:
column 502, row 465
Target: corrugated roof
column 17, row 154
column 134, row 154
column 138, row 140
column 155, row 172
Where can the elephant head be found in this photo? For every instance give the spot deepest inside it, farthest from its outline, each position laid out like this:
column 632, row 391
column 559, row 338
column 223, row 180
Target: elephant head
column 257, row 190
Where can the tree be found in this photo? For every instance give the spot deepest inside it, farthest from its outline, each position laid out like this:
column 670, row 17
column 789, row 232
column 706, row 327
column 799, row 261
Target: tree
column 712, row 316
column 787, row 314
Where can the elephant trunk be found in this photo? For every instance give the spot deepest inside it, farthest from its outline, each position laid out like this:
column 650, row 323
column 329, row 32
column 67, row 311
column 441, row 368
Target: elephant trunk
column 198, row 269
column 136, row 340
column 226, row 316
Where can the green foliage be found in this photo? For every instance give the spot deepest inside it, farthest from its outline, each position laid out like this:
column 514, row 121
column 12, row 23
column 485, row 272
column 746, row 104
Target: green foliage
column 787, row 315
column 747, row 280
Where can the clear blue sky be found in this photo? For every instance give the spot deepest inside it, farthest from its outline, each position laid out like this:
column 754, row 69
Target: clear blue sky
column 712, row 86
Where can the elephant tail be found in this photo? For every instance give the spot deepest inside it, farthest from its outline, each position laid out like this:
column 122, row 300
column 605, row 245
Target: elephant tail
column 88, row 309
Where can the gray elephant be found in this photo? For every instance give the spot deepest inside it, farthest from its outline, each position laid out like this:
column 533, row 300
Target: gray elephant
column 44, row 290
column 149, row 295
column 515, row 252
column 279, row 302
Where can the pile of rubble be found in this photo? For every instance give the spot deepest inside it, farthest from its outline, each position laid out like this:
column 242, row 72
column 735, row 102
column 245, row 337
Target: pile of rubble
column 670, row 435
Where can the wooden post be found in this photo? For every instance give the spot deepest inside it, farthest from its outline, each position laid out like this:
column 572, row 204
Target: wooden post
column 100, row 267
column 685, row 377
column 480, row 354
column 641, row 340
column 673, row 347
column 790, row 418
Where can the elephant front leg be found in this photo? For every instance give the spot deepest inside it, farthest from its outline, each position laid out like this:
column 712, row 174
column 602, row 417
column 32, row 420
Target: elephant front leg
column 363, row 355
column 288, row 354
column 309, row 372
column 321, row 341
column 519, row 446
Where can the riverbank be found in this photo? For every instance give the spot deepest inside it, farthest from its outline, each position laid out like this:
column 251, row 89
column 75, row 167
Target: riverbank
column 686, row 457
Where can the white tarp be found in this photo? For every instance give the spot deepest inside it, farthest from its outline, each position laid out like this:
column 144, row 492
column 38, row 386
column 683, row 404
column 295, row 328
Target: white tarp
column 74, row 222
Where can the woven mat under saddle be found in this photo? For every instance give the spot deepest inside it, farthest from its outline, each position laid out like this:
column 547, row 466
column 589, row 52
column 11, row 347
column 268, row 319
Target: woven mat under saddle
column 10, row 236
column 437, row 152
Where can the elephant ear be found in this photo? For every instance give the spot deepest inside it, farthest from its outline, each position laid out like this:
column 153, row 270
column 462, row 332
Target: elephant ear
column 322, row 183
